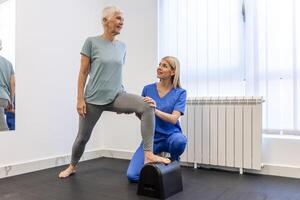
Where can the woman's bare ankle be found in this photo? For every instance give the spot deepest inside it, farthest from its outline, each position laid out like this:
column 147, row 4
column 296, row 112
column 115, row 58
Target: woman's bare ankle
column 71, row 169
column 71, row 166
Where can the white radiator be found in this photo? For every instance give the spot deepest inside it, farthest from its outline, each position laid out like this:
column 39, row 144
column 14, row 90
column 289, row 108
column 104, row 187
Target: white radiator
column 223, row 131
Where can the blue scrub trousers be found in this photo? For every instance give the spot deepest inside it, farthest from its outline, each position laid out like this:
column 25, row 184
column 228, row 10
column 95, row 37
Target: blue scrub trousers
column 174, row 144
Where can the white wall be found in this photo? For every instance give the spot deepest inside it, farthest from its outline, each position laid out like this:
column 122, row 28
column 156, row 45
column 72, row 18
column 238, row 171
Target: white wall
column 281, row 151
column 140, row 35
column 49, row 36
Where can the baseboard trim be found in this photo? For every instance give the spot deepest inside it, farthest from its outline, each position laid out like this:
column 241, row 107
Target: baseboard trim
column 36, row 165
column 119, row 154
column 279, row 170
column 267, row 169
column 41, row 164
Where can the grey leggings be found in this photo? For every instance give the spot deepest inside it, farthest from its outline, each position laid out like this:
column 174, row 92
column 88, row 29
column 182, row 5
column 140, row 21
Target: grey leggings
column 3, row 105
column 123, row 103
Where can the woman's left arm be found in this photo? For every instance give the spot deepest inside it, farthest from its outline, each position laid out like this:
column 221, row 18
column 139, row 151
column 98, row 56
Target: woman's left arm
column 172, row 118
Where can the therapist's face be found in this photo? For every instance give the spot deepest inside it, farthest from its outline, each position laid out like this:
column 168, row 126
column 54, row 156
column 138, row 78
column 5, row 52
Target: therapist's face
column 164, row 70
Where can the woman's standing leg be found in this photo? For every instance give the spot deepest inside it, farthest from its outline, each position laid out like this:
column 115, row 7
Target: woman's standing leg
column 86, row 125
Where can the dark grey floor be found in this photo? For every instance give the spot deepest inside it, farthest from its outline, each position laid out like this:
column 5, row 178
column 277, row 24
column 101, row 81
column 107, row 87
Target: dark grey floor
column 104, row 178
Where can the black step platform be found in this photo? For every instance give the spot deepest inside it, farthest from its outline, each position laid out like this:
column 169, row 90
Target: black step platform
column 159, row 180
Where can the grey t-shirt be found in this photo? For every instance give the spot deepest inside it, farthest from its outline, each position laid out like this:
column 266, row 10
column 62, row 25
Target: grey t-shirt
column 105, row 75
column 6, row 71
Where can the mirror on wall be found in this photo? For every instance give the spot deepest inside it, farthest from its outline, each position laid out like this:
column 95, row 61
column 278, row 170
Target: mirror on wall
column 7, row 65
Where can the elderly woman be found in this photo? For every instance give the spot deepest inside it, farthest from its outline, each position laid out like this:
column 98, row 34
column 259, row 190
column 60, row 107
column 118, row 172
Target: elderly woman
column 7, row 89
column 102, row 58
column 168, row 99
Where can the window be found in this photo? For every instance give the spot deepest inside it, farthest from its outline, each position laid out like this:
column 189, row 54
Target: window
column 207, row 37
column 236, row 47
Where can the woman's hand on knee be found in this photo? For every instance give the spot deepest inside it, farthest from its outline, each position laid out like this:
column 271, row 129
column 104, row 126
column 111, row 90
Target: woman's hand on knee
column 150, row 102
column 81, row 108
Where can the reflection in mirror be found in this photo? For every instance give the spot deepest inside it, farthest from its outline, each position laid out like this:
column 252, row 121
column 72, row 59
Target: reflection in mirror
column 7, row 63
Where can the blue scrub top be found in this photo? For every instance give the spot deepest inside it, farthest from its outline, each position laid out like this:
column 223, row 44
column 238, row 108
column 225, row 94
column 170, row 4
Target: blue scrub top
column 173, row 100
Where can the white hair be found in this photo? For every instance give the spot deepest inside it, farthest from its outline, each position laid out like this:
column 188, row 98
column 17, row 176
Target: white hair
column 109, row 12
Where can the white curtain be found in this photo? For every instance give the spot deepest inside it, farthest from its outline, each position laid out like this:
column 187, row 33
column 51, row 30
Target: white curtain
column 272, row 45
column 7, row 29
column 236, row 48
column 206, row 36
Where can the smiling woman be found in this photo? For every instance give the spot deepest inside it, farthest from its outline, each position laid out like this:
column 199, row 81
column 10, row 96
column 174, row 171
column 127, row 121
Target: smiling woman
column 7, row 60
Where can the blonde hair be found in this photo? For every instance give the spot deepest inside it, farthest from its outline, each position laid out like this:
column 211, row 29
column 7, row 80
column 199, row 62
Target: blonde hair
column 175, row 65
column 109, row 11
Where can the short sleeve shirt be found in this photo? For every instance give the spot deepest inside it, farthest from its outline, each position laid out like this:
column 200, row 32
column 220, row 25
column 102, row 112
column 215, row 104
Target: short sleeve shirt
column 105, row 75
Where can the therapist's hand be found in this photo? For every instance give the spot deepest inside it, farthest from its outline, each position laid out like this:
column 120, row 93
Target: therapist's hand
column 150, row 102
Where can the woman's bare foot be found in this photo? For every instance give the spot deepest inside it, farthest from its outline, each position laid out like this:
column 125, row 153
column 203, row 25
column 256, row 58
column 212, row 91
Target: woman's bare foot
column 150, row 157
column 67, row 172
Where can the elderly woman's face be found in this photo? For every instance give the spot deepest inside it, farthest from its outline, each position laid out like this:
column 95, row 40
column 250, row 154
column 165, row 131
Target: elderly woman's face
column 115, row 23
column 164, row 70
